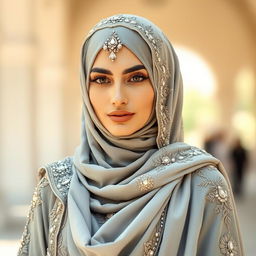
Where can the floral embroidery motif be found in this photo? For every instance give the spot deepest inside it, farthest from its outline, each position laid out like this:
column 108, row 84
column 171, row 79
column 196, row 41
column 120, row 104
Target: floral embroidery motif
column 36, row 201
column 228, row 246
column 151, row 247
column 55, row 222
column 156, row 44
column 145, row 182
column 177, row 157
column 62, row 173
column 62, row 249
column 219, row 195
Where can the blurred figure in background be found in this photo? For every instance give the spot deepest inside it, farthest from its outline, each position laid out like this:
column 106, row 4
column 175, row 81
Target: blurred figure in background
column 216, row 145
column 239, row 159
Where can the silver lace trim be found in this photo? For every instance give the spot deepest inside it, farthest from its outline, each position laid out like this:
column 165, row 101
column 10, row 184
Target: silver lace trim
column 36, row 201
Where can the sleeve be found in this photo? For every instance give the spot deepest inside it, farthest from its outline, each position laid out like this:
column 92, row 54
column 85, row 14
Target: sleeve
column 219, row 233
column 34, row 240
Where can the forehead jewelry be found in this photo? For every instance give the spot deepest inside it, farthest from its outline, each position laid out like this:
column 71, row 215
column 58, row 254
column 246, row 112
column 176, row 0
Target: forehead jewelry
column 112, row 45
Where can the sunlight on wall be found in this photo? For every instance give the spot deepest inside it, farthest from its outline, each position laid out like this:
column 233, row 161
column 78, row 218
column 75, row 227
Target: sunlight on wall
column 244, row 121
column 196, row 73
column 199, row 81
column 9, row 247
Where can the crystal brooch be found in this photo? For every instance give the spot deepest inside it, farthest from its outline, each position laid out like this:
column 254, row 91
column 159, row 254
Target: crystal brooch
column 112, row 45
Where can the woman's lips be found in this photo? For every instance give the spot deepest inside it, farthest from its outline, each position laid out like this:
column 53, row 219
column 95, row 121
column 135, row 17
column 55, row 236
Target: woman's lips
column 120, row 116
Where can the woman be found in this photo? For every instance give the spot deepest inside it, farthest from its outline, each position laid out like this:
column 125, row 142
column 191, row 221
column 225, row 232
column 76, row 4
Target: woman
column 132, row 187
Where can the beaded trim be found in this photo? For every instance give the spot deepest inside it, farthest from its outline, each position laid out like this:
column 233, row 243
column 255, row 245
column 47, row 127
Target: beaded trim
column 220, row 195
column 183, row 156
column 151, row 247
column 61, row 173
column 55, row 222
column 156, row 44
column 36, row 201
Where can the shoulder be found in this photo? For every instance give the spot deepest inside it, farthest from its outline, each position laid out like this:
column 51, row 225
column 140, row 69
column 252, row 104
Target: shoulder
column 210, row 175
column 58, row 175
column 214, row 186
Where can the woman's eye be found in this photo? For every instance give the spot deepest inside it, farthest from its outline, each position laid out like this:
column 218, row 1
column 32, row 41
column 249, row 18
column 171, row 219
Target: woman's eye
column 137, row 78
column 100, row 80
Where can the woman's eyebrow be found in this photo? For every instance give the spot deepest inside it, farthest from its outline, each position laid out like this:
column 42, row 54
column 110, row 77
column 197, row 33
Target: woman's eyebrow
column 102, row 70
column 134, row 68
column 126, row 71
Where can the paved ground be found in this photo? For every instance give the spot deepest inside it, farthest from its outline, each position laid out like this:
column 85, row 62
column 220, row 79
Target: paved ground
column 9, row 237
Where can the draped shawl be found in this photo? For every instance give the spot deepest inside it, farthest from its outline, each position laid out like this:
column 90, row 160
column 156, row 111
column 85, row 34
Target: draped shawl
column 142, row 183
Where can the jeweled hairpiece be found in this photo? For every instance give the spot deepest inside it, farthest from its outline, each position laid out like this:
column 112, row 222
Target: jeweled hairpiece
column 112, row 45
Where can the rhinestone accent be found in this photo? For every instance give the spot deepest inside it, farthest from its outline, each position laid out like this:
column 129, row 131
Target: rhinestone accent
column 228, row 245
column 62, row 174
column 151, row 247
column 167, row 158
column 221, row 194
column 112, row 45
column 145, row 182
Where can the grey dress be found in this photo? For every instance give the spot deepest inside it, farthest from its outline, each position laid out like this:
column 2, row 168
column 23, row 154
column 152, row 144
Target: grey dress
column 45, row 230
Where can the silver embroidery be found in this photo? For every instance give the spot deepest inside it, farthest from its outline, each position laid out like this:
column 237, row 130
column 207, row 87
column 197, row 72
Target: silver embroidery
column 36, row 201
column 151, row 247
column 156, row 44
column 62, row 248
column 167, row 158
column 55, row 222
column 145, row 182
column 62, row 173
column 219, row 195
column 228, row 246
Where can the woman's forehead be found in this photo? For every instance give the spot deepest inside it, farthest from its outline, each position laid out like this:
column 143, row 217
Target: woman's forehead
column 125, row 58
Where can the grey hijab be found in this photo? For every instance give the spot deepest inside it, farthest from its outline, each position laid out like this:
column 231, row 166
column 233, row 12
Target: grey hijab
column 132, row 178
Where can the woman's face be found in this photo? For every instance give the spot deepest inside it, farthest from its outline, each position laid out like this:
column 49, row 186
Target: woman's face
column 121, row 92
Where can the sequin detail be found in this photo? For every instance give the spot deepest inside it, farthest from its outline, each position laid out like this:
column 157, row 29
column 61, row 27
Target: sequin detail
column 228, row 246
column 61, row 172
column 55, row 222
column 151, row 247
column 145, row 182
column 36, row 201
column 156, row 44
column 167, row 158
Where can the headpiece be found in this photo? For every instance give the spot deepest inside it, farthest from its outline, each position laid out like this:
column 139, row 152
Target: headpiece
column 113, row 45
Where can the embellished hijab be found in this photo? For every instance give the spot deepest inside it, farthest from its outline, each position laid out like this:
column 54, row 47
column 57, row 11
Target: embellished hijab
column 139, row 184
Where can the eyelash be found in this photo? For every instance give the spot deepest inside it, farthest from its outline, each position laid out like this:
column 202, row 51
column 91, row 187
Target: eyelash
column 105, row 80
column 98, row 80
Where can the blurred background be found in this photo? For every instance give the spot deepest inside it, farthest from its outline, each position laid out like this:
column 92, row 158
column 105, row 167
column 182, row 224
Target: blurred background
column 40, row 104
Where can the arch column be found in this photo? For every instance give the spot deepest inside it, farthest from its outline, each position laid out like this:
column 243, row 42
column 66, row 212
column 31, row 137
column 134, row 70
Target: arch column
column 51, row 73
column 17, row 47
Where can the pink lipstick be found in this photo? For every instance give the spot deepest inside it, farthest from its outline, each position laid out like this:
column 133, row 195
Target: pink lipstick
column 120, row 116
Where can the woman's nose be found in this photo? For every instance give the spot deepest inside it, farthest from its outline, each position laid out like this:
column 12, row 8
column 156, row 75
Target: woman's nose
column 118, row 96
